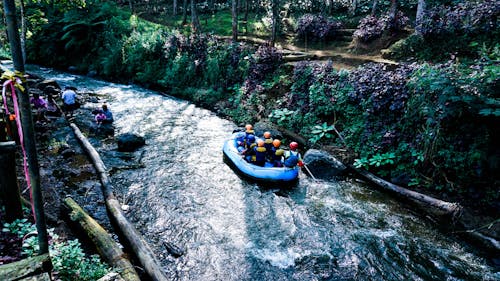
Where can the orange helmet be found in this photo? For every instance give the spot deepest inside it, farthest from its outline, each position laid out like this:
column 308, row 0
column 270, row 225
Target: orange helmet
column 248, row 127
column 267, row 135
column 294, row 145
column 276, row 143
column 260, row 142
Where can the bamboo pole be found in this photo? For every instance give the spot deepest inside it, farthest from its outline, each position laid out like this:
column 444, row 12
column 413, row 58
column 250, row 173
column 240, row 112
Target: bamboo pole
column 139, row 246
column 27, row 128
column 105, row 245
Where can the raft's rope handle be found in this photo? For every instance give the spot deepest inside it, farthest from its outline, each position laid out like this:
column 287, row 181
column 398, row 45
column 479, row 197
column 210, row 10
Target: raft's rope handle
column 14, row 82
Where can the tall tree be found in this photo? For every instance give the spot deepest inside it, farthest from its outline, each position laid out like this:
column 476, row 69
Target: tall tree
column 23, row 31
column 374, row 7
column 174, row 8
column 354, row 6
column 275, row 7
column 234, row 14
column 27, row 127
column 195, row 22
column 393, row 12
column 420, row 16
column 184, row 12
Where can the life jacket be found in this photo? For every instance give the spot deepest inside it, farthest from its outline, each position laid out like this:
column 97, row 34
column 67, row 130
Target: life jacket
column 250, row 149
column 291, row 159
column 268, row 144
column 260, row 155
column 277, row 157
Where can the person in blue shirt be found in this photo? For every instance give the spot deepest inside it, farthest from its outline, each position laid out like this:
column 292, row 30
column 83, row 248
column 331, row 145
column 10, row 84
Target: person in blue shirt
column 107, row 113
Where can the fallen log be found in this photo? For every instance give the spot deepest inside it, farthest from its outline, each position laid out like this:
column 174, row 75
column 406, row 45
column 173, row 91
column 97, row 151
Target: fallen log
column 450, row 213
column 139, row 246
column 439, row 209
column 105, row 245
column 26, row 268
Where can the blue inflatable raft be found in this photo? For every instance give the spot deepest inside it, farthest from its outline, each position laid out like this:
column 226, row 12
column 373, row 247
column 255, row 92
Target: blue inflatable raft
column 268, row 173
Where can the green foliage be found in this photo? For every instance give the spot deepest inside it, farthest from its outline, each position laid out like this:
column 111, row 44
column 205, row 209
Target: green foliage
column 281, row 116
column 20, row 227
column 321, row 131
column 68, row 258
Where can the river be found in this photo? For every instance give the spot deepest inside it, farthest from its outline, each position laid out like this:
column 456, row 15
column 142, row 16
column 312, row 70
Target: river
column 231, row 229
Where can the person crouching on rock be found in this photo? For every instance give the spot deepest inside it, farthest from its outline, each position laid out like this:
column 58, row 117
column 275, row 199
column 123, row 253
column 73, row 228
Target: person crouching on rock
column 100, row 117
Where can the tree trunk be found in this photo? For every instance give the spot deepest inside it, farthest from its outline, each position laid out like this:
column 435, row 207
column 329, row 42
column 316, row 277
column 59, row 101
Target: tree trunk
column 374, row 7
column 105, row 245
column 245, row 17
column 392, row 13
column 23, row 32
column 141, row 249
column 174, row 8
column 195, row 22
column 354, row 7
column 27, row 128
column 234, row 13
column 276, row 19
column 420, row 16
column 26, row 268
column 184, row 12
column 441, row 210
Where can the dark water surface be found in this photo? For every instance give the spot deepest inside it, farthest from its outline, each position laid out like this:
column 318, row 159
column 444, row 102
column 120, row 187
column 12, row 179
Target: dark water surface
column 234, row 230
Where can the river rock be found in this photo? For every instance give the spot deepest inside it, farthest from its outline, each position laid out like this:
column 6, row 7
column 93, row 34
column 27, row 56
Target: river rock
column 129, row 142
column 323, row 165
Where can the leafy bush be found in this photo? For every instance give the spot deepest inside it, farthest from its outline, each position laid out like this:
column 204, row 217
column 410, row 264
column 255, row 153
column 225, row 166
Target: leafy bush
column 68, row 258
column 466, row 17
column 317, row 27
column 372, row 27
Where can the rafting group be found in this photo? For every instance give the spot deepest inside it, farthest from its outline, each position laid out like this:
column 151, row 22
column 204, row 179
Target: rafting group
column 258, row 151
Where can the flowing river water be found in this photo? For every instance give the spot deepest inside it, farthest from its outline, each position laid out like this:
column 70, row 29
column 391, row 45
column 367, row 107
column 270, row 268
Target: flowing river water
column 230, row 229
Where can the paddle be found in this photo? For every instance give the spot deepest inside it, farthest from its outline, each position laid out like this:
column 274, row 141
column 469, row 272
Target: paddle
column 309, row 171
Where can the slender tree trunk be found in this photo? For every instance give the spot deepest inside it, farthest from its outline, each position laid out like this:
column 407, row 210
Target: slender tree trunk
column 27, row 127
column 245, row 18
column 195, row 22
column 23, row 32
column 276, row 18
column 392, row 13
column 131, row 6
column 234, row 13
column 184, row 12
column 174, row 8
column 420, row 16
column 354, row 7
column 374, row 7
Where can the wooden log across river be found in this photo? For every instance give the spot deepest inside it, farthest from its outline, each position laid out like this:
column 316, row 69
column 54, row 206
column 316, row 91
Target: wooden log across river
column 141, row 249
column 105, row 245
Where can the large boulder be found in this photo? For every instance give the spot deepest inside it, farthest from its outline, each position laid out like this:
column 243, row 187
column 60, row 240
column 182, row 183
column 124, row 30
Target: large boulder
column 323, row 165
column 129, row 142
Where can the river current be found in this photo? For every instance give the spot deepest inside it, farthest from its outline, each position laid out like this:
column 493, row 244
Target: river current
column 183, row 194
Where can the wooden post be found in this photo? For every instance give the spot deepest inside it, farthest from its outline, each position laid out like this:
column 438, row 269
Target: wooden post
column 8, row 182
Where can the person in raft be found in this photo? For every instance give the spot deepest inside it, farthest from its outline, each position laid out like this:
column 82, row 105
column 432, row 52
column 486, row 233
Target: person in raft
column 268, row 144
column 108, row 114
column 248, row 152
column 292, row 156
column 248, row 131
column 240, row 141
column 259, row 157
column 277, row 154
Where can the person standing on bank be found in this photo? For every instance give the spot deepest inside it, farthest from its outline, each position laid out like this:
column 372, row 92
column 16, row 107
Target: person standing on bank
column 69, row 100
